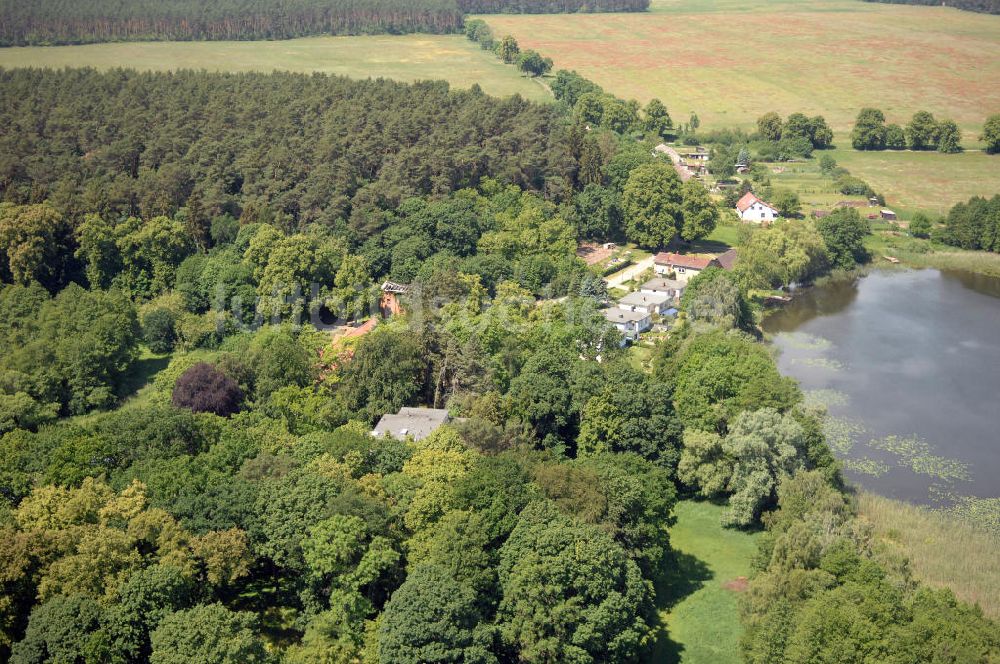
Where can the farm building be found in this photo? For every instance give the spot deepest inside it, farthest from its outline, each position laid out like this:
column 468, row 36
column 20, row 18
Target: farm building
column 751, row 208
column 888, row 215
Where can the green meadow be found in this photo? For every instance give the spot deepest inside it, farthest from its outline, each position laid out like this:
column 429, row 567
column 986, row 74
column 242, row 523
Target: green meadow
column 404, row 58
column 699, row 595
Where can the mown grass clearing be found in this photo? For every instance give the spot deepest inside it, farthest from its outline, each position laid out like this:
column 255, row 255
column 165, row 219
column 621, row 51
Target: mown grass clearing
column 699, row 594
column 943, row 551
column 928, row 181
column 732, row 61
column 405, row 58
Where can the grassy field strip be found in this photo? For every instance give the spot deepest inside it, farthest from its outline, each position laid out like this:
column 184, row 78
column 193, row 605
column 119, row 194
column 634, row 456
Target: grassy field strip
column 700, row 595
column 733, row 61
column 944, row 551
column 405, row 58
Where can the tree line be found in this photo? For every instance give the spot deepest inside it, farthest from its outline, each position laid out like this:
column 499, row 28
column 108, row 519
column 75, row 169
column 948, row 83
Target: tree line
column 49, row 22
column 923, row 132
column 974, row 224
column 982, row 6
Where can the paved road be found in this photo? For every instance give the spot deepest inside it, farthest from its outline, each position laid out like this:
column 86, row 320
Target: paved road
column 618, row 278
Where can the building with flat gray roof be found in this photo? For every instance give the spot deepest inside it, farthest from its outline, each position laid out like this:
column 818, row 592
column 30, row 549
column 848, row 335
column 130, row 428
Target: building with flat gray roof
column 649, row 303
column 415, row 423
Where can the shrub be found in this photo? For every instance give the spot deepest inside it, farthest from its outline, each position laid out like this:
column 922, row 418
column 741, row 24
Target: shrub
column 920, row 226
column 205, row 389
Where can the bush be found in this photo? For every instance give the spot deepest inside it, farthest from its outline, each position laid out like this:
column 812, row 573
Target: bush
column 853, row 186
column 920, row 225
column 158, row 329
column 205, row 389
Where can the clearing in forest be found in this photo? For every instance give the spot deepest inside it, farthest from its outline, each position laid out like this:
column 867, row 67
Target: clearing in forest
column 699, row 594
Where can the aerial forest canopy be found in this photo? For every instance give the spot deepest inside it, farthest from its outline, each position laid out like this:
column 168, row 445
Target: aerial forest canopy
column 302, row 148
column 47, row 22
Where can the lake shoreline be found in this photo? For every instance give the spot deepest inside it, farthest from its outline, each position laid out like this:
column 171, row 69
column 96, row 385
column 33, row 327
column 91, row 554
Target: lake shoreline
column 899, row 358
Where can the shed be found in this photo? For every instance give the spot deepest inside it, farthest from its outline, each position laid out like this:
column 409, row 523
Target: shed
column 888, row 215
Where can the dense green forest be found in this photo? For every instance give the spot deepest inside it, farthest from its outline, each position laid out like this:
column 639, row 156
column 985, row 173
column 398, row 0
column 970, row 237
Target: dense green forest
column 61, row 22
column 304, row 148
column 47, row 22
column 984, row 6
column 187, row 471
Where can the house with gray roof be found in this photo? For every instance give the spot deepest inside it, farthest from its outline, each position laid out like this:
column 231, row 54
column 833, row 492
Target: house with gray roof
column 629, row 323
column 672, row 287
column 415, row 423
column 649, row 303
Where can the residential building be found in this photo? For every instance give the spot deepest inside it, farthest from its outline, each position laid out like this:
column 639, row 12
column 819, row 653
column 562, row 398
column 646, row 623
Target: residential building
column 629, row 323
column 671, row 287
column 415, row 423
column 751, row 208
column 683, row 267
column 648, row 303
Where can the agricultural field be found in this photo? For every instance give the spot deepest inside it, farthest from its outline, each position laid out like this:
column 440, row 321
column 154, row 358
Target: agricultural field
column 730, row 61
column 701, row 606
column 405, row 58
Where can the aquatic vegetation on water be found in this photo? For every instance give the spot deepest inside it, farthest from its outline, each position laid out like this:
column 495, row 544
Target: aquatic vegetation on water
column 805, row 341
column 824, row 398
column 867, row 466
column 917, row 455
column 841, row 433
column 819, row 362
column 982, row 513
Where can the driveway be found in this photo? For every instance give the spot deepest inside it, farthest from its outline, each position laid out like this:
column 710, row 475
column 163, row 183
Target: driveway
column 618, row 278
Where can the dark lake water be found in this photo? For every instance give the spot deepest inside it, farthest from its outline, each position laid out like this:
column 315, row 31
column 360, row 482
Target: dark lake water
column 908, row 365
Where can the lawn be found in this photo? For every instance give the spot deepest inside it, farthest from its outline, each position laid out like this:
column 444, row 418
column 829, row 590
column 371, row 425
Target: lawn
column 732, row 60
column 699, row 595
column 406, row 58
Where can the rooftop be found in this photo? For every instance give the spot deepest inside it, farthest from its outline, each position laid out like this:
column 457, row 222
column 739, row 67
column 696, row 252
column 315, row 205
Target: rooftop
column 728, row 259
column 417, row 423
column 662, row 285
column 693, row 262
column 749, row 199
column 641, row 299
column 393, row 287
column 623, row 316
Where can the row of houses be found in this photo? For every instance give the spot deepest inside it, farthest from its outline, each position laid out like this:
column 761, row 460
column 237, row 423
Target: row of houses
column 633, row 313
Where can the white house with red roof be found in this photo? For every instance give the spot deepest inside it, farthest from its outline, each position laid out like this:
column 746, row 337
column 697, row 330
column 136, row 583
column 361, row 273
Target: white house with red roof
column 683, row 267
column 751, row 208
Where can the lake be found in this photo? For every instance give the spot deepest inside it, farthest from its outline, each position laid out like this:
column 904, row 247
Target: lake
column 907, row 363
